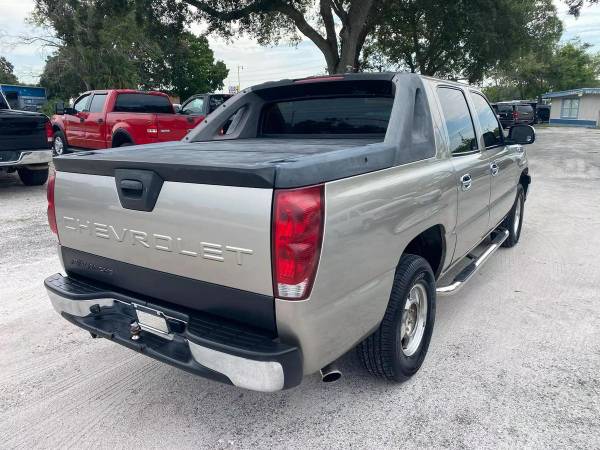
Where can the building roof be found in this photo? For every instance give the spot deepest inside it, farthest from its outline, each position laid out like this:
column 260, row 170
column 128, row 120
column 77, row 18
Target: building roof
column 572, row 92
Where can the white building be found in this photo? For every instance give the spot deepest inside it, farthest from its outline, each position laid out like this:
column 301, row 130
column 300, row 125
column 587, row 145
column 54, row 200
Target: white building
column 577, row 107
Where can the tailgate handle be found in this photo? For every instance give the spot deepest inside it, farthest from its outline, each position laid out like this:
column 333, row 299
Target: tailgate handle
column 132, row 188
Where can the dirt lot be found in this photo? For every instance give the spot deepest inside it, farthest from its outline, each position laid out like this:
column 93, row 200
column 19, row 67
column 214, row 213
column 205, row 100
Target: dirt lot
column 514, row 360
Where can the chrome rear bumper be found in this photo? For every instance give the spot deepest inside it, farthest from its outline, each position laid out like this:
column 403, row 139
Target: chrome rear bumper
column 30, row 157
column 206, row 346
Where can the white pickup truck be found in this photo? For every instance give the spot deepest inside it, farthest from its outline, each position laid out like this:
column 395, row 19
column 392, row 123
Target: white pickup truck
column 301, row 219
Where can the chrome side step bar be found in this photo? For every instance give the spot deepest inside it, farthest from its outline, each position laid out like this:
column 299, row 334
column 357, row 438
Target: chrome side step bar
column 465, row 275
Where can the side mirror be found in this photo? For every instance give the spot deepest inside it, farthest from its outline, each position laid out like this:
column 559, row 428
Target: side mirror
column 59, row 108
column 521, row 134
column 177, row 108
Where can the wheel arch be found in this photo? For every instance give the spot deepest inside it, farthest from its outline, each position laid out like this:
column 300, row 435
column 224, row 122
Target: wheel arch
column 430, row 244
column 120, row 136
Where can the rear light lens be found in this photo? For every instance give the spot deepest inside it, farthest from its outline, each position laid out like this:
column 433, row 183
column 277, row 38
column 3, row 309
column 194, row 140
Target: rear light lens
column 515, row 115
column 298, row 216
column 49, row 132
column 51, row 207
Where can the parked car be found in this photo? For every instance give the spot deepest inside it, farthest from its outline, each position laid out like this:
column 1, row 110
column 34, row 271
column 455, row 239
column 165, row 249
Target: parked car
column 202, row 105
column 25, row 139
column 230, row 255
column 117, row 118
column 512, row 113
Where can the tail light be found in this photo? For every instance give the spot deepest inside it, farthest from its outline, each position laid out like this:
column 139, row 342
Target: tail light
column 515, row 115
column 298, row 216
column 49, row 132
column 51, row 207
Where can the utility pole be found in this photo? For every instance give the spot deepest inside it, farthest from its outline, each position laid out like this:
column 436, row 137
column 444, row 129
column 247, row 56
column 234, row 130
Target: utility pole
column 238, row 71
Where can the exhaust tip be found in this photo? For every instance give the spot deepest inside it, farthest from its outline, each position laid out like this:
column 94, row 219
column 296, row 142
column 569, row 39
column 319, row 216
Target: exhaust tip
column 330, row 373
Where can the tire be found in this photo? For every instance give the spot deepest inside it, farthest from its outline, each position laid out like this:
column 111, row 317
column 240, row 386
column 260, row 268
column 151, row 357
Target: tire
column 125, row 144
column 386, row 353
column 33, row 177
column 513, row 222
column 59, row 144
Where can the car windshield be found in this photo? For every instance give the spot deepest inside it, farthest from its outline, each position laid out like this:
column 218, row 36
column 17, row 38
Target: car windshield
column 338, row 115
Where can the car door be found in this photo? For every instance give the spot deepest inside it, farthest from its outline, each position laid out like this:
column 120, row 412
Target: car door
column 94, row 124
column 502, row 159
column 471, row 168
column 74, row 123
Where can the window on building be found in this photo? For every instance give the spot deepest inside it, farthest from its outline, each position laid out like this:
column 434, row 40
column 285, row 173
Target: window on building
column 569, row 108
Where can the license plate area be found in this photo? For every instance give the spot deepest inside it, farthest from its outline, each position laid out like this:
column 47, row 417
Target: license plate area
column 152, row 321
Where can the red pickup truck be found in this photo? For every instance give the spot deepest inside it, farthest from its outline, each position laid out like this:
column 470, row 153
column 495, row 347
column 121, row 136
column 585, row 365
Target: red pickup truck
column 116, row 118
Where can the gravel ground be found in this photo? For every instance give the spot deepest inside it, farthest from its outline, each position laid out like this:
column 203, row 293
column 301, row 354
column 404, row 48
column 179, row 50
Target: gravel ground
column 514, row 360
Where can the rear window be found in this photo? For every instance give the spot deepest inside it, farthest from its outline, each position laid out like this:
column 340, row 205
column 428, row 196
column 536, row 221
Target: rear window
column 143, row 103
column 339, row 115
column 504, row 108
column 525, row 108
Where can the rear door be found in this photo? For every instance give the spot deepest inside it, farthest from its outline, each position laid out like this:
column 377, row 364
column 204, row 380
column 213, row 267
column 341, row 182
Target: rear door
column 471, row 168
column 94, row 124
column 504, row 169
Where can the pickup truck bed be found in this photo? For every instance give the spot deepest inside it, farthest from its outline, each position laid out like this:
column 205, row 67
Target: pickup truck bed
column 252, row 162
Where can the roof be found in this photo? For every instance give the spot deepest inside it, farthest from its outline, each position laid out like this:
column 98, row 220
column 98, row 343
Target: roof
column 573, row 92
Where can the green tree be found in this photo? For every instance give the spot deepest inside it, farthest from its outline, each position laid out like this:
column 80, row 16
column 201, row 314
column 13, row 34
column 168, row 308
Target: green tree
column 337, row 27
column 460, row 39
column 7, row 75
column 575, row 6
column 104, row 44
column 566, row 66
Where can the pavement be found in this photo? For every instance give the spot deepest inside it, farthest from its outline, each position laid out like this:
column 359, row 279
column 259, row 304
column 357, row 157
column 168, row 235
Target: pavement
column 514, row 360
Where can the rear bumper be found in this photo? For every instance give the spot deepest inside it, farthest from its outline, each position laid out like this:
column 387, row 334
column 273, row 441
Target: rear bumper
column 29, row 157
column 202, row 344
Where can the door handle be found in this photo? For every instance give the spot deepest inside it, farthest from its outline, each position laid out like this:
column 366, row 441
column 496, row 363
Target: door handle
column 100, row 120
column 466, row 182
column 494, row 168
column 81, row 120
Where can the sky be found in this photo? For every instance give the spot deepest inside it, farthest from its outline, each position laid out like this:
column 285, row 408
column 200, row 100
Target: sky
column 256, row 63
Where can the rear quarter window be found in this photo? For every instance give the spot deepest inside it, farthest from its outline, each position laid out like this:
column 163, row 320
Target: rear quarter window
column 338, row 115
column 143, row 103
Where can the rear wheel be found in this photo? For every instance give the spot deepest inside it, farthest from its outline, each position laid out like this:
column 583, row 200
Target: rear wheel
column 396, row 350
column 59, row 144
column 514, row 220
column 31, row 177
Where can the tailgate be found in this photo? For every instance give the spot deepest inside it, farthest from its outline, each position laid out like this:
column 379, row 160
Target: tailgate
column 216, row 235
column 22, row 131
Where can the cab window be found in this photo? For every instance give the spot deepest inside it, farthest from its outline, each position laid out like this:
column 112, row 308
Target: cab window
column 490, row 128
column 82, row 103
column 459, row 123
column 196, row 106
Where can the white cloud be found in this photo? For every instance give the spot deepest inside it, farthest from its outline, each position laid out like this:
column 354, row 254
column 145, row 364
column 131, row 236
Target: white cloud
column 258, row 64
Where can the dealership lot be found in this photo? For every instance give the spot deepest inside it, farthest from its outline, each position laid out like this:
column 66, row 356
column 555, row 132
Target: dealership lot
column 514, row 359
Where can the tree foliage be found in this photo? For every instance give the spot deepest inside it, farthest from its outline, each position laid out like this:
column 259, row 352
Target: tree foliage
column 7, row 75
column 337, row 27
column 125, row 44
column 566, row 66
column 462, row 39
column 575, row 6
